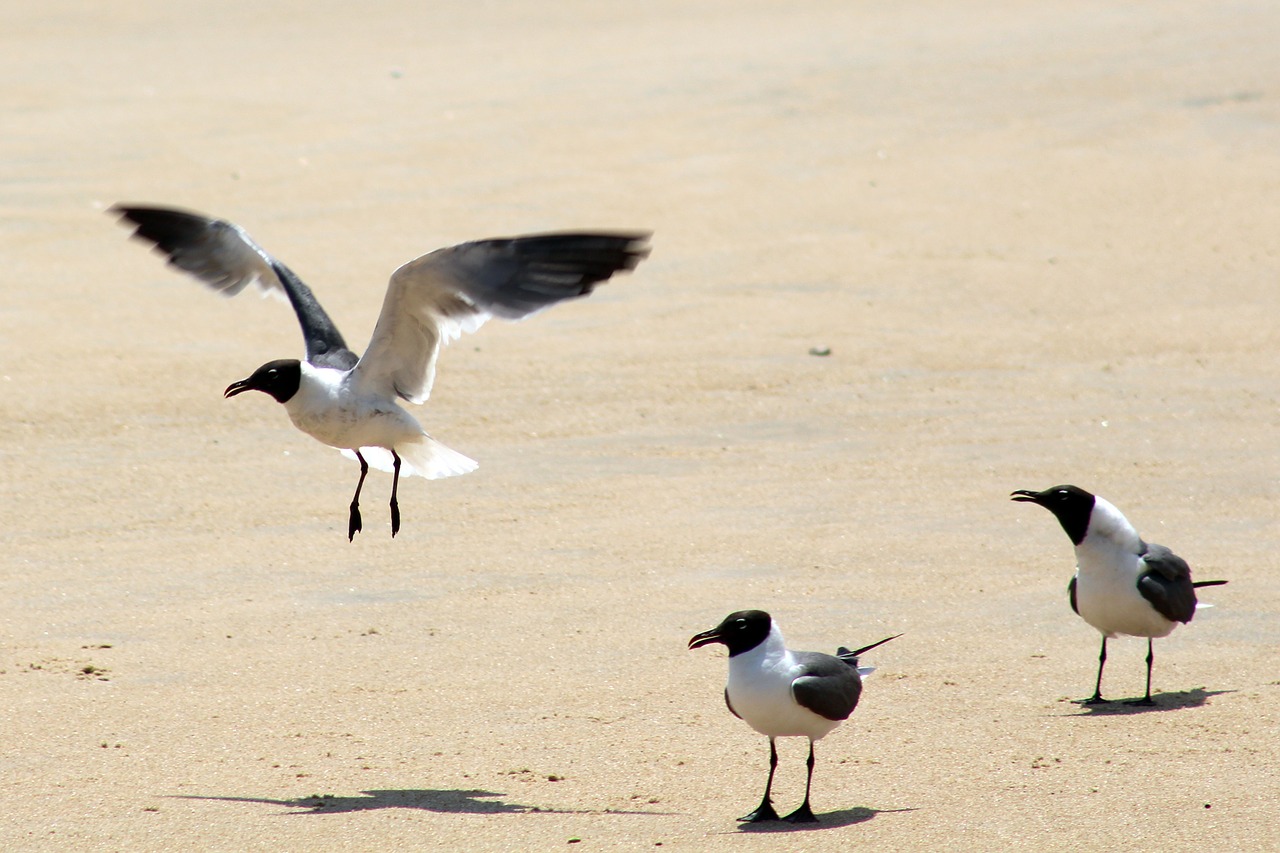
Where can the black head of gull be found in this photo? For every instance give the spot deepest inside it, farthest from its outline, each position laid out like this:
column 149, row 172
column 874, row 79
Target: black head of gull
column 279, row 379
column 1071, row 505
column 739, row 632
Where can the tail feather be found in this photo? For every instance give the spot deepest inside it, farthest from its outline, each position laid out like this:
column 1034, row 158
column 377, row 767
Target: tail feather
column 851, row 657
column 423, row 458
column 1200, row 605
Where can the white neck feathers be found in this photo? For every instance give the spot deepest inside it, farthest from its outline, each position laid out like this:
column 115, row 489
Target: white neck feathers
column 1109, row 524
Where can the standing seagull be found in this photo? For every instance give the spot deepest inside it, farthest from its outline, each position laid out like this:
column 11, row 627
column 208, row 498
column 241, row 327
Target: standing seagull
column 781, row 693
column 349, row 401
column 1122, row 585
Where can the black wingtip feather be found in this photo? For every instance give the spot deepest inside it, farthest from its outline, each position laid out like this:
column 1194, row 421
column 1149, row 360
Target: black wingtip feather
column 529, row 273
column 168, row 228
column 585, row 259
column 851, row 657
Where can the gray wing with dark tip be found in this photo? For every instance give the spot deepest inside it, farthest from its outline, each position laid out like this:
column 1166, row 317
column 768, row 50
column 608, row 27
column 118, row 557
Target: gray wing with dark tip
column 1166, row 583
column 828, row 687
column 435, row 298
column 214, row 251
column 223, row 256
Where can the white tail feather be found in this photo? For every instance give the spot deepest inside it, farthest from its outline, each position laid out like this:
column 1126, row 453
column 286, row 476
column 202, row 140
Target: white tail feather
column 424, row 458
column 864, row 671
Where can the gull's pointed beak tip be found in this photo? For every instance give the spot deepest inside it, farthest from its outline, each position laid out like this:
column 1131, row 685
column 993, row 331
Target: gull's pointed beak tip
column 697, row 641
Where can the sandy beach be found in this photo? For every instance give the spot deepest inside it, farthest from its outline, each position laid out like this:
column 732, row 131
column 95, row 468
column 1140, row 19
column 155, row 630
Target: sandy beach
column 906, row 258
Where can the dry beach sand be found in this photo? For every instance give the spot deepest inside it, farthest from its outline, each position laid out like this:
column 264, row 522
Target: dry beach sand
column 1038, row 239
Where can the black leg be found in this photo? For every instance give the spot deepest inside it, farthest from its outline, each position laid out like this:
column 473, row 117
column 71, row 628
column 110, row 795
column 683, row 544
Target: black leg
column 1096, row 698
column 765, row 810
column 353, row 523
column 1147, row 700
column 395, row 483
column 804, row 814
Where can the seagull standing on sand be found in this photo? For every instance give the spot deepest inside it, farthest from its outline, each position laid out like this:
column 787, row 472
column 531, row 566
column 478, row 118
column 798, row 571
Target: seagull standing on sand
column 781, row 693
column 349, row 401
column 1122, row 585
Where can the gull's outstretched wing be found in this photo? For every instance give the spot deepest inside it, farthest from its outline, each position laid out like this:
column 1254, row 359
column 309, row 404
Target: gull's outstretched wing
column 434, row 299
column 224, row 257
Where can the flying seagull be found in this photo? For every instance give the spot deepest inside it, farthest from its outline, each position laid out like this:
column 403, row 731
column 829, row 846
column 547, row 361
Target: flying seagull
column 352, row 402
column 781, row 693
column 1122, row 584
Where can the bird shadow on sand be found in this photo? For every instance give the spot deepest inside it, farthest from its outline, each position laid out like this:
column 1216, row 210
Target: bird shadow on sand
column 830, row 820
column 447, row 801
column 1175, row 701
